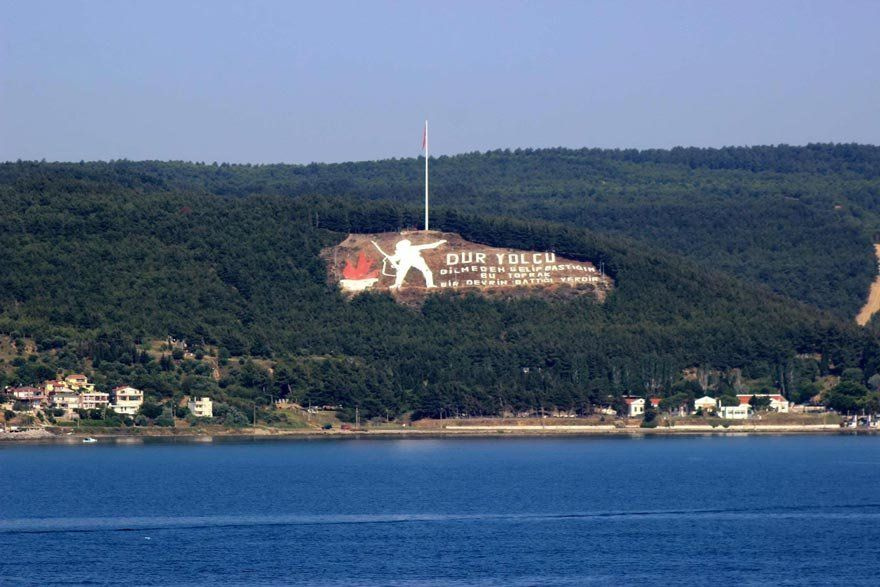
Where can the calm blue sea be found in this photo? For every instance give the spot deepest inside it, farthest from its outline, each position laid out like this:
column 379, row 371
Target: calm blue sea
column 702, row 510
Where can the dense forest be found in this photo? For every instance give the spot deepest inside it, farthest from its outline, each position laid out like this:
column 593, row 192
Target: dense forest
column 800, row 220
column 98, row 259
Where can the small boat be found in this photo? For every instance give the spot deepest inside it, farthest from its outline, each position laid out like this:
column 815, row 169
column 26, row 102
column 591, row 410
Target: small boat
column 89, row 440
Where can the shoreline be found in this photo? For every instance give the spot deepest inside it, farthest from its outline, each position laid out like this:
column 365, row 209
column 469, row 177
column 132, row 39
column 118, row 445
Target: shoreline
column 456, row 431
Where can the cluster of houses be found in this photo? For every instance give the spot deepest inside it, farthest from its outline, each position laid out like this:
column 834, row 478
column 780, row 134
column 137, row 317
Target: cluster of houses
column 710, row 405
column 76, row 392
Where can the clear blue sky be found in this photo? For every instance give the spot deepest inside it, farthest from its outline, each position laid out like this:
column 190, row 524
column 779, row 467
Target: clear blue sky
column 266, row 81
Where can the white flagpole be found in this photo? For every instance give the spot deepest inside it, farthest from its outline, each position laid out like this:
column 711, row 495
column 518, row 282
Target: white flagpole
column 426, row 176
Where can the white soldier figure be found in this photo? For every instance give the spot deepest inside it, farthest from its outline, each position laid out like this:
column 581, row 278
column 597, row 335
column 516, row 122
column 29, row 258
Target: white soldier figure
column 406, row 256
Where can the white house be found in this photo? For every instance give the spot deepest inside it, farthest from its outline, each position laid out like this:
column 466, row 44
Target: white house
column 705, row 403
column 740, row 412
column 127, row 400
column 94, row 400
column 635, row 406
column 201, row 407
column 777, row 402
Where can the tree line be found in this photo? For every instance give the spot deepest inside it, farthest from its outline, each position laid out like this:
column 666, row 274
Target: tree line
column 96, row 266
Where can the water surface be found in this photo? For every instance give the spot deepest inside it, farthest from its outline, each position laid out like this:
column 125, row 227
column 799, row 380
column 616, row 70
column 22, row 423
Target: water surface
column 701, row 510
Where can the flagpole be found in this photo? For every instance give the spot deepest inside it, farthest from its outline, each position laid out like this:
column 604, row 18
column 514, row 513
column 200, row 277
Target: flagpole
column 426, row 176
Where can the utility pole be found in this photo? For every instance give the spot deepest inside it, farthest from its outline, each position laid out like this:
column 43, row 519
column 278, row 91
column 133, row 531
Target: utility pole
column 425, row 147
column 255, row 418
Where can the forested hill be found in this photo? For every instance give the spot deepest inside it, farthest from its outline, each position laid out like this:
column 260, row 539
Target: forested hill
column 800, row 220
column 99, row 259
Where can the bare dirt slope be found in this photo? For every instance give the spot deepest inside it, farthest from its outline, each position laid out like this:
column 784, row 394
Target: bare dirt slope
column 873, row 303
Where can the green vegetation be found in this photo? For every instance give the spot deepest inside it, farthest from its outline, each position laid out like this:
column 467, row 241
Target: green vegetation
column 649, row 419
column 102, row 259
column 797, row 219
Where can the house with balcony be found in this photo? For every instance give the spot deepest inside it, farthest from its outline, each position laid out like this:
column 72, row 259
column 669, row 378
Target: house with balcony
column 127, row 400
column 32, row 397
column 53, row 385
column 201, row 407
column 94, row 400
column 79, row 382
column 65, row 399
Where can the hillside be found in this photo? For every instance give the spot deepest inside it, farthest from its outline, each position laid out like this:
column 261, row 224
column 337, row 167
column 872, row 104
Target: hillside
column 94, row 266
column 800, row 220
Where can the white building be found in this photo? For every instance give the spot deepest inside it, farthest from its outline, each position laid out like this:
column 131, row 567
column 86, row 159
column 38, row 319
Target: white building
column 94, row 400
column 777, row 402
column 635, row 406
column 82, row 398
column 202, row 407
column 740, row 412
column 127, row 400
column 705, row 403
column 66, row 399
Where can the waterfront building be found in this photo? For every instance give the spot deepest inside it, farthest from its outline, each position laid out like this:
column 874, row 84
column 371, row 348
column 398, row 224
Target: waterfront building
column 127, row 400
column 94, row 400
column 777, row 402
column 201, row 407
column 635, row 406
column 705, row 403
column 740, row 412
column 66, row 399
